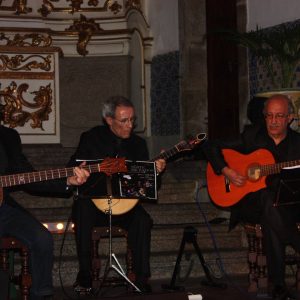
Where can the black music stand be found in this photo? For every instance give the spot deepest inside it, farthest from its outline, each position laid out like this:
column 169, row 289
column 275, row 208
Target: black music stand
column 113, row 263
column 289, row 187
column 190, row 237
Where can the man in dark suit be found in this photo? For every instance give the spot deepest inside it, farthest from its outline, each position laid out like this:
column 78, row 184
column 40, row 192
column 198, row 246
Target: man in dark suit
column 17, row 222
column 278, row 223
column 114, row 139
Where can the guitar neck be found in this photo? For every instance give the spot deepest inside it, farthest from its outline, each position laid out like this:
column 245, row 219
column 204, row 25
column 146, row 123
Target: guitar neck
column 167, row 154
column 276, row 168
column 24, row 178
column 181, row 146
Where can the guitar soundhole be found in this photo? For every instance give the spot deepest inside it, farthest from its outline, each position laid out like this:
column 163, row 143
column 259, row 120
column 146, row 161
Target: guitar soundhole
column 254, row 172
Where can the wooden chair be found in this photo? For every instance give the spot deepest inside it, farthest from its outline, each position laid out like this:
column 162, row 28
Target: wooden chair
column 99, row 233
column 257, row 276
column 10, row 244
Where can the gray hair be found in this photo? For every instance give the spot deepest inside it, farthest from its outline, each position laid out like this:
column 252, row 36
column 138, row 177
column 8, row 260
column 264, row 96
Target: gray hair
column 111, row 104
column 291, row 109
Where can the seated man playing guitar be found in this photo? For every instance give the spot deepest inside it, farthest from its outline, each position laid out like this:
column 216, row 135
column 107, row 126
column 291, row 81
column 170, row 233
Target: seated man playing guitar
column 252, row 196
column 114, row 139
column 17, row 222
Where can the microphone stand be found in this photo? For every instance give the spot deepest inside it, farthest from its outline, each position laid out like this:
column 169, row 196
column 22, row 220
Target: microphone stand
column 112, row 257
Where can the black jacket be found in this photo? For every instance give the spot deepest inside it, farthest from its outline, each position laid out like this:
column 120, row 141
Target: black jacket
column 253, row 138
column 99, row 143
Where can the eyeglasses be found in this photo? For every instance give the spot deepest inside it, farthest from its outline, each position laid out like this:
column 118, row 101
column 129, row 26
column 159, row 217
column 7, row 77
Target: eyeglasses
column 270, row 116
column 127, row 121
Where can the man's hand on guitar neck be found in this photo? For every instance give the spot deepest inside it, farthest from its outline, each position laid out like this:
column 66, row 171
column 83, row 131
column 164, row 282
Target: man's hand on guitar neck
column 80, row 177
column 233, row 176
column 160, row 165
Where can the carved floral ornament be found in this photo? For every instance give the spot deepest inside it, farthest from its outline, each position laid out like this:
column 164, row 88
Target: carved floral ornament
column 18, row 6
column 21, row 63
column 133, row 4
column 30, row 40
column 15, row 110
column 48, row 6
column 85, row 29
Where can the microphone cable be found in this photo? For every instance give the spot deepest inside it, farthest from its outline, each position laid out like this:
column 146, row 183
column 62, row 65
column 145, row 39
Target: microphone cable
column 219, row 261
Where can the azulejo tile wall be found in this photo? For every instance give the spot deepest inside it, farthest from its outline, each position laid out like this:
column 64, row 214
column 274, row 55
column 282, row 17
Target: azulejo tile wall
column 165, row 106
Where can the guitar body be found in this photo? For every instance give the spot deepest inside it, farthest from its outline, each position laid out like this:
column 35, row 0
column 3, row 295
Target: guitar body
column 227, row 194
column 123, row 205
column 119, row 206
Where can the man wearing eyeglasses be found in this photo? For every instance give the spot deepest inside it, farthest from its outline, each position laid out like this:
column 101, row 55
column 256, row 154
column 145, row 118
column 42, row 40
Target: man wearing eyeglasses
column 278, row 223
column 114, row 139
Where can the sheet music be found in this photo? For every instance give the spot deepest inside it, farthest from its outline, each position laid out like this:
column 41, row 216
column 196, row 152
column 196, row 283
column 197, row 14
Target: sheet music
column 139, row 181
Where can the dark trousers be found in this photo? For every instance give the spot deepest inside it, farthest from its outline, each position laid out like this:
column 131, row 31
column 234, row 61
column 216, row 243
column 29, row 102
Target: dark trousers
column 137, row 222
column 278, row 226
column 4, row 285
column 15, row 221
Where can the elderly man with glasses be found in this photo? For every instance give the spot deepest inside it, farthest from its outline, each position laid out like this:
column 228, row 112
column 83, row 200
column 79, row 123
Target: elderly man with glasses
column 278, row 223
column 114, row 139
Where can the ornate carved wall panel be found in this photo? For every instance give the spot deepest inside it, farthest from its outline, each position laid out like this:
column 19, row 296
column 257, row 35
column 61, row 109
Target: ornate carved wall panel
column 29, row 93
column 82, row 29
column 56, row 7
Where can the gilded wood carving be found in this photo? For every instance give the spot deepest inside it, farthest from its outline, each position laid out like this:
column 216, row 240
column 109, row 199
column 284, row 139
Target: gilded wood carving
column 133, row 4
column 17, row 111
column 49, row 6
column 21, row 63
column 31, row 39
column 18, row 6
column 29, row 94
column 85, row 29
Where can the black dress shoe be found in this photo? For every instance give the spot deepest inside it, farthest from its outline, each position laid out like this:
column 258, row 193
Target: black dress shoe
column 143, row 286
column 82, row 290
column 282, row 293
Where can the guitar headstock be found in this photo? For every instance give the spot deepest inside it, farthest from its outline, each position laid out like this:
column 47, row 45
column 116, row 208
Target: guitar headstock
column 190, row 145
column 111, row 166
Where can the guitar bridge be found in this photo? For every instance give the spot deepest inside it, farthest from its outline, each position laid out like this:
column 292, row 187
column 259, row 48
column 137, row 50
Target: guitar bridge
column 227, row 185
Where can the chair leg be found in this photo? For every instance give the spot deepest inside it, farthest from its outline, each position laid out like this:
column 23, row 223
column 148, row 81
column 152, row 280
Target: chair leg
column 252, row 280
column 25, row 275
column 4, row 259
column 103, row 232
column 262, row 279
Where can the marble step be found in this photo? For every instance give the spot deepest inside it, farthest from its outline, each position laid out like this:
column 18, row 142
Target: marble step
column 176, row 213
column 167, row 233
column 165, row 239
column 162, row 265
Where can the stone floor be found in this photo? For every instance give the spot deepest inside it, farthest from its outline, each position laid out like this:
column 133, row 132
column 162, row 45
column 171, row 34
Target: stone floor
column 236, row 289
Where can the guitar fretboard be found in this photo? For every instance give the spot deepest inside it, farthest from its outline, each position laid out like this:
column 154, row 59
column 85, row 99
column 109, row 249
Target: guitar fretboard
column 24, row 178
column 276, row 168
column 167, row 154
column 182, row 146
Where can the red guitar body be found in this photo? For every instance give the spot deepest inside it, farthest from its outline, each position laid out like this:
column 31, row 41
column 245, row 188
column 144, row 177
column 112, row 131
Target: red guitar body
column 226, row 194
